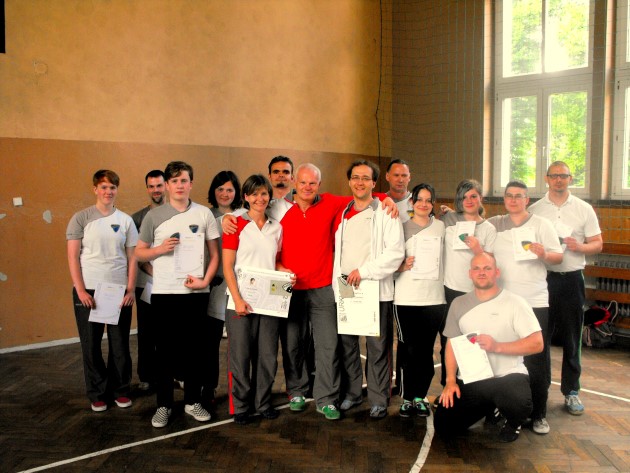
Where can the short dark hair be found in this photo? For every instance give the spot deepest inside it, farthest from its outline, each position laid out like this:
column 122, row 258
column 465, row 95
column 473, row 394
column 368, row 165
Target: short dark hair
column 154, row 173
column 175, row 168
column 462, row 188
column 364, row 162
column 559, row 163
column 280, row 159
column 105, row 175
column 252, row 183
column 221, row 178
column 397, row 161
column 516, row 183
column 416, row 191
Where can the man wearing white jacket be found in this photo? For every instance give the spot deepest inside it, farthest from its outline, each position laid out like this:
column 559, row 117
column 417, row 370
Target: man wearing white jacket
column 369, row 244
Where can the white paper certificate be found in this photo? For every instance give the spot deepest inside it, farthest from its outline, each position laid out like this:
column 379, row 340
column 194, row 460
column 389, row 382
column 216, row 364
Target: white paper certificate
column 522, row 238
column 462, row 230
column 267, row 291
column 472, row 360
column 427, row 252
column 563, row 231
column 358, row 308
column 108, row 299
column 189, row 255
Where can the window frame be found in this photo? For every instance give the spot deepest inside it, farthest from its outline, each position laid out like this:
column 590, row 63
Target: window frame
column 541, row 85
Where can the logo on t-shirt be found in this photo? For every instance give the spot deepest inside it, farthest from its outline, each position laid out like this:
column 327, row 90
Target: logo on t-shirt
column 193, row 228
column 115, row 227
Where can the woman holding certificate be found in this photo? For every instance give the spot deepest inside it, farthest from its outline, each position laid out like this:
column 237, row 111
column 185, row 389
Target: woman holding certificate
column 101, row 242
column 252, row 337
column 467, row 234
column 419, row 300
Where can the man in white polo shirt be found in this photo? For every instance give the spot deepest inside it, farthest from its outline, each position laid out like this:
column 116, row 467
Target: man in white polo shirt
column 578, row 230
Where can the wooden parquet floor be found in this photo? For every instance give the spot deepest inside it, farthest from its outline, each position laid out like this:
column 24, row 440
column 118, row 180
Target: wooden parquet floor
column 45, row 420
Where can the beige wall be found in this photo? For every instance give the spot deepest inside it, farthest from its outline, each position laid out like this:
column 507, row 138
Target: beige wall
column 132, row 84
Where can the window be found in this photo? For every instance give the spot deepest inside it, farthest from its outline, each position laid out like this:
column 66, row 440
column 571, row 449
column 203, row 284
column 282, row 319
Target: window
column 621, row 150
column 543, row 91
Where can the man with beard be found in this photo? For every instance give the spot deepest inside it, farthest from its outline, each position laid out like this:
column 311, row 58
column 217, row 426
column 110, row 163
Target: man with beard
column 154, row 181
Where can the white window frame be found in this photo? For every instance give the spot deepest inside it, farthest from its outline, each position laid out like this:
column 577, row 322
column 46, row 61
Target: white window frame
column 621, row 130
column 541, row 85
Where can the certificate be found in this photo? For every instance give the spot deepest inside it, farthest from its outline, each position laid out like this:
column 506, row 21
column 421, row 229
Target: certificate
column 522, row 238
column 563, row 231
column 462, row 230
column 427, row 252
column 189, row 254
column 268, row 292
column 107, row 299
column 358, row 308
column 146, row 292
column 472, row 360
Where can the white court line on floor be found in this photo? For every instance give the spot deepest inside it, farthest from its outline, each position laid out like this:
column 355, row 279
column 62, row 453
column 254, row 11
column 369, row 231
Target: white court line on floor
column 135, row 444
column 428, row 437
column 417, row 466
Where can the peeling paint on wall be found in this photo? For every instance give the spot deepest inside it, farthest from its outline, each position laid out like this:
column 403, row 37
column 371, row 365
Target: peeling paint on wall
column 47, row 216
column 2, row 216
column 3, row 277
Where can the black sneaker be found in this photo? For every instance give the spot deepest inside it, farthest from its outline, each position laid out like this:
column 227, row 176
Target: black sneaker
column 270, row 413
column 406, row 409
column 509, row 433
column 494, row 417
column 242, row 418
column 421, row 407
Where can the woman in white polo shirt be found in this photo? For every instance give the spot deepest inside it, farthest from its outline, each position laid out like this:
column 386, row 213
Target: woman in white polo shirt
column 101, row 242
column 252, row 338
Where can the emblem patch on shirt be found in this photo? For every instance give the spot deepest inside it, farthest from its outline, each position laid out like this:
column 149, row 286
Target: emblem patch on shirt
column 193, row 228
column 115, row 227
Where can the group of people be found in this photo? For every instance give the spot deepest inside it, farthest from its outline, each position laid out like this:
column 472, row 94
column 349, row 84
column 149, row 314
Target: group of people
column 504, row 278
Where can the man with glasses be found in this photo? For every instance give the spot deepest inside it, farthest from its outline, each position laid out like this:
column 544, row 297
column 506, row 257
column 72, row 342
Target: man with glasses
column 525, row 244
column 369, row 244
column 578, row 230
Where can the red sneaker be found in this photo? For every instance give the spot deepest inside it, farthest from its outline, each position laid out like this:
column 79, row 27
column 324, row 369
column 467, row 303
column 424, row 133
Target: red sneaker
column 99, row 406
column 123, row 401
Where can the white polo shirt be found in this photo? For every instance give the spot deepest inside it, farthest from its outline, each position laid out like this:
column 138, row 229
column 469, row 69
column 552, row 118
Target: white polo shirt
column 526, row 278
column 578, row 215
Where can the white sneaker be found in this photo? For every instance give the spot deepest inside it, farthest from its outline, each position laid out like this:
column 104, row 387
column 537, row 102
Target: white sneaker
column 541, row 426
column 160, row 418
column 197, row 411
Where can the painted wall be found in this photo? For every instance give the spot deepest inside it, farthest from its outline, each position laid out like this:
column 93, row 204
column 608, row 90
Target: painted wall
column 131, row 85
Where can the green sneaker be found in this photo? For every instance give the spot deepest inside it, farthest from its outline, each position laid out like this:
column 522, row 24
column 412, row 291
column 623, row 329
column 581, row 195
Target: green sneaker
column 297, row 403
column 406, row 408
column 330, row 412
column 421, row 407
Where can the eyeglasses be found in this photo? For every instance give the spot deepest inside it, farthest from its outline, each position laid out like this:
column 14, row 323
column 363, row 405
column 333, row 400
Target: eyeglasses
column 360, row 178
column 514, row 196
column 558, row 176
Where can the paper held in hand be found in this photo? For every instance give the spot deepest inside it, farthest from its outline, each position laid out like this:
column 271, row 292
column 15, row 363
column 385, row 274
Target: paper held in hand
column 472, row 360
column 358, row 308
column 267, row 291
column 108, row 299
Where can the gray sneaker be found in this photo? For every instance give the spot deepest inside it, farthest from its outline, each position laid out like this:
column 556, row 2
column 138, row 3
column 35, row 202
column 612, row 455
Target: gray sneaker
column 540, row 426
column 378, row 412
column 573, row 404
column 347, row 404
